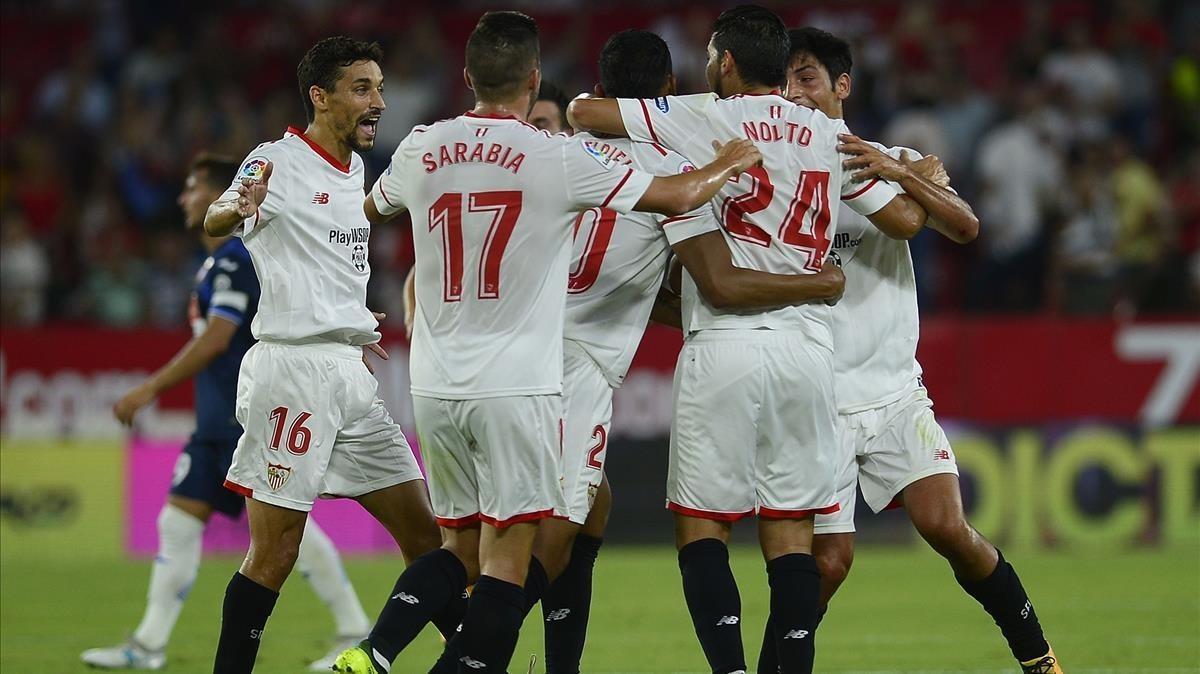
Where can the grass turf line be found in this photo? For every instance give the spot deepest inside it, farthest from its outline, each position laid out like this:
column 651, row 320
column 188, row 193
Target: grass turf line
column 900, row 611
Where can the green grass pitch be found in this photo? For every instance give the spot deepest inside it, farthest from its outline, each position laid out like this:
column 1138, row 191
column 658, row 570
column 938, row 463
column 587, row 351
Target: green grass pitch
column 1123, row 611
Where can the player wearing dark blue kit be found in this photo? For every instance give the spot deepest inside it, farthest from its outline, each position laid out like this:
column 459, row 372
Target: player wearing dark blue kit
column 222, row 307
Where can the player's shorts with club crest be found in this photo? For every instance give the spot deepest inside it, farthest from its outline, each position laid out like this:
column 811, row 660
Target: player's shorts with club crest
column 491, row 460
column 314, row 426
column 883, row 450
column 587, row 406
column 754, row 427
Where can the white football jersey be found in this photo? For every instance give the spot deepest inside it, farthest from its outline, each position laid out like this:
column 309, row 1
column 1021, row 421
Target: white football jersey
column 619, row 261
column 875, row 325
column 776, row 218
column 309, row 243
column 493, row 203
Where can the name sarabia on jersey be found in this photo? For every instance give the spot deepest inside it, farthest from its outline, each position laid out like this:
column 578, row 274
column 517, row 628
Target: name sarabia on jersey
column 496, row 153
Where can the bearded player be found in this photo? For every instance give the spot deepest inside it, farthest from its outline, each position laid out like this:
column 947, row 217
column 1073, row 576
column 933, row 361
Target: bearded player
column 314, row 423
column 222, row 308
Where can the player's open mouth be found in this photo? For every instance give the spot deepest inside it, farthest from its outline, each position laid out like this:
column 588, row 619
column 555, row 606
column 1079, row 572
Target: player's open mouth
column 367, row 126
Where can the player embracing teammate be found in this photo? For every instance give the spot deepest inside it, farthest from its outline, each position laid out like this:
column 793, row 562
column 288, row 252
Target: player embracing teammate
column 755, row 418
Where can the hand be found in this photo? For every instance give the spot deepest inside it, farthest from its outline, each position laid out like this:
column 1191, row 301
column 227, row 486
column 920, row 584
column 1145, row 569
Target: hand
column 738, row 156
column 131, row 402
column 251, row 193
column 870, row 161
column 930, row 168
column 832, row 273
column 374, row 348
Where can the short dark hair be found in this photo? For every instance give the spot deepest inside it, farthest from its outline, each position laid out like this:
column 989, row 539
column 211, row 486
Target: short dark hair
column 219, row 170
column 634, row 64
column 550, row 91
column 322, row 65
column 501, row 51
column 831, row 51
column 758, row 41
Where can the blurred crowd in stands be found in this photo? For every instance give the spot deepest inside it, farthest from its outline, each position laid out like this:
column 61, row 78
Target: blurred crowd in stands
column 1072, row 127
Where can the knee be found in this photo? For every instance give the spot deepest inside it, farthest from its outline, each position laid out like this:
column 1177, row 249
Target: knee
column 469, row 559
column 269, row 562
column 834, row 563
column 947, row 533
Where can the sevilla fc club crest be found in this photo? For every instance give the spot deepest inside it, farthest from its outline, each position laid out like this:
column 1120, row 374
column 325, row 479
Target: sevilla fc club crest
column 359, row 257
column 277, row 476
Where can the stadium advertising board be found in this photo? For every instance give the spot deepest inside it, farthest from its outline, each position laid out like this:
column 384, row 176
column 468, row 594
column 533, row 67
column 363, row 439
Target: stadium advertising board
column 1073, row 433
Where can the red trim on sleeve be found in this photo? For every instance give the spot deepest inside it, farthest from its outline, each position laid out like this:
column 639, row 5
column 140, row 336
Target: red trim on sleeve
column 517, row 519
column 458, row 522
column 649, row 124
column 384, row 194
column 707, row 514
column 862, row 191
column 766, row 513
column 235, row 487
column 344, row 168
column 617, row 189
column 661, row 150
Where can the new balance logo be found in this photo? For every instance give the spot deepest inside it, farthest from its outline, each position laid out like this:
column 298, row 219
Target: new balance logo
column 728, row 620
column 776, row 111
column 796, row 634
column 472, row 663
column 321, row 198
column 941, row 455
column 558, row 614
column 406, row 598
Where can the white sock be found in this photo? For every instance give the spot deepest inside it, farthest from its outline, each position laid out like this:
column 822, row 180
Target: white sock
column 171, row 578
column 320, row 563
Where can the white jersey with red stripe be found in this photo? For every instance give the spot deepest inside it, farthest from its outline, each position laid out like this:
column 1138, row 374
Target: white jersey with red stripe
column 619, row 262
column 493, row 203
column 309, row 243
column 776, row 218
column 875, row 324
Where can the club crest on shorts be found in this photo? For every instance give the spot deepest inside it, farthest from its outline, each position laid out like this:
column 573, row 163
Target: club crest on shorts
column 277, row 475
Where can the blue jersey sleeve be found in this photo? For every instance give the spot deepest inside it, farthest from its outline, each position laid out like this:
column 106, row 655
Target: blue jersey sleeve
column 234, row 289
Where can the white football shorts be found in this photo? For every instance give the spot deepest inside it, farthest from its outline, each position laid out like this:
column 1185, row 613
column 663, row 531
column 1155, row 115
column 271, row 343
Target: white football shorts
column 587, row 405
column 754, row 427
column 886, row 449
column 314, row 426
column 491, row 460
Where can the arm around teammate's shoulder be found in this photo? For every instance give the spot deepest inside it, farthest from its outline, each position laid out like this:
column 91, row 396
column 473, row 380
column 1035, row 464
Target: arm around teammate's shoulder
column 602, row 115
column 678, row 194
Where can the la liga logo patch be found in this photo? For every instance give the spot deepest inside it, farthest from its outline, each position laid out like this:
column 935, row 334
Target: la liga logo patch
column 254, row 168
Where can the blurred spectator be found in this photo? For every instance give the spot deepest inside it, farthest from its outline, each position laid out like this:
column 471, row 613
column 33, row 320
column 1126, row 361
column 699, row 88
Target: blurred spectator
column 102, row 103
column 24, row 273
column 1086, row 264
column 169, row 277
column 1143, row 234
column 1088, row 77
column 1020, row 178
column 113, row 292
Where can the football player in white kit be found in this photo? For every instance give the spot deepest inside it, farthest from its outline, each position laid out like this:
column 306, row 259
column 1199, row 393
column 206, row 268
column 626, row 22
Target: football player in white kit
column 619, row 262
column 494, row 201
column 314, row 424
column 891, row 444
column 754, row 427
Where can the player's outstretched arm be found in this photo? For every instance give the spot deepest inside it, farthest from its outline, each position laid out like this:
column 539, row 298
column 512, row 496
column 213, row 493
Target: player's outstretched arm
column 226, row 214
column 602, row 115
column 726, row 286
column 943, row 210
column 196, row 355
column 678, row 194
